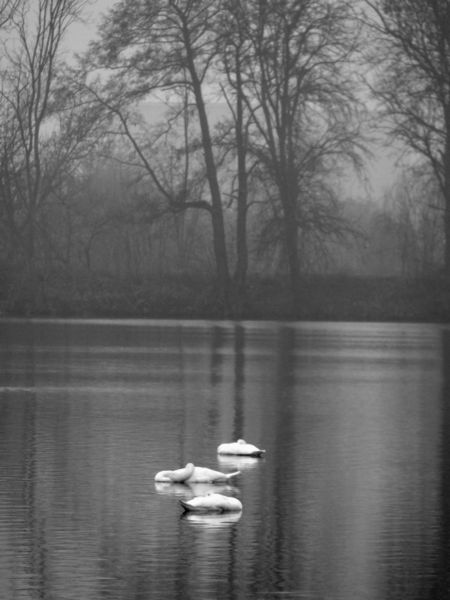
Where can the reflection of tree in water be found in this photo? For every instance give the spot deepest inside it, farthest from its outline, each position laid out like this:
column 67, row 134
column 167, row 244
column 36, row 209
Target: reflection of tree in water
column 442, row 584
column 385, row 532
column 18, row 416
column 29, row 503
column 275, row 567
column 217, row 344
column 216, row 373
column 239, row 380
column 34, row 523
column 209, row 543
column 33, row 543
column 218, row 377
column 416, row 561
column 284, row 459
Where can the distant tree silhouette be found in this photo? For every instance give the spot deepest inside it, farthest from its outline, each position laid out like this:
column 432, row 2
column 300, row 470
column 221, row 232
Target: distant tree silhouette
column 30, row 156
column 410, row 52
column 168, row 47
column 301, row 94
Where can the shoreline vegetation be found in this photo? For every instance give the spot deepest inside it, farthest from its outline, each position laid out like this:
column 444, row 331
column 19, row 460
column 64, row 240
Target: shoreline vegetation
column 322, row 298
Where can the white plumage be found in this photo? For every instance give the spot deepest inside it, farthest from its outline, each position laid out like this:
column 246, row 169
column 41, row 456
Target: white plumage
column 212, row 503
column 240, row 448
column 192, row 474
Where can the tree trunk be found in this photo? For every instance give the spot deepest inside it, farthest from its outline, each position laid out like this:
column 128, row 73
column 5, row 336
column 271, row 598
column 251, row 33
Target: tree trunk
column 240, row 275
column 219, row 242
column 30, row 241
column 291, row 244
column 447, row 203
column 447, row 226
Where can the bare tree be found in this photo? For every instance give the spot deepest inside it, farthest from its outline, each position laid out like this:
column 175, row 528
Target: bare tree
column 282, row 69
column 300, row 90
column 411, row 54
column 29, row 105
column 7, row 10
column 168, row 47
column 235, row 51
column 414, row 205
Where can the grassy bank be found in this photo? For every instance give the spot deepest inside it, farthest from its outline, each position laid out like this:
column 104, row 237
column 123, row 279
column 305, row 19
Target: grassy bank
column 335, row 298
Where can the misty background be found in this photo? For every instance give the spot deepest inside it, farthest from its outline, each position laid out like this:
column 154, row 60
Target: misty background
column 221, row 159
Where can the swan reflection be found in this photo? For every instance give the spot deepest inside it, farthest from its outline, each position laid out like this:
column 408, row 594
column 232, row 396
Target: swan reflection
column 212, row 521
column 240, row 463
column 190, row 490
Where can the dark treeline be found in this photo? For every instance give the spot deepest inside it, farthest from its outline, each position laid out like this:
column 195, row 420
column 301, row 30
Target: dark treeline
column 195, row 161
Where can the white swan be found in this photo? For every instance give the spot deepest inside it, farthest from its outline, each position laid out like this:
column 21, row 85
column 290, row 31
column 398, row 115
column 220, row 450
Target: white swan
column 241, row 447
column 212, row 503
column 193, row 474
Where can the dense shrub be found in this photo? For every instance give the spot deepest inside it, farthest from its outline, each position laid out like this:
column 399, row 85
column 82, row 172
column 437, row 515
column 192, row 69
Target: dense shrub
column 336, row 298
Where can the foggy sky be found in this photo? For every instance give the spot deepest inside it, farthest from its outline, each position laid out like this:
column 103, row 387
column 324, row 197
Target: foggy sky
column 380, row 171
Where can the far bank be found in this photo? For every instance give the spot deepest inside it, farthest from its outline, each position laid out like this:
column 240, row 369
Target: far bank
column 325, row 298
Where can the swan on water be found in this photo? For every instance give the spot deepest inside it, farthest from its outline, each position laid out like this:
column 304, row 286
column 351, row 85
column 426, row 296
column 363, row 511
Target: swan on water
column 192, row 474
column 212, row 503
column 241, row 447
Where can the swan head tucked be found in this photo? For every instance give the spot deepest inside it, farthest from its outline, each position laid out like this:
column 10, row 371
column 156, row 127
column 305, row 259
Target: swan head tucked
column 181, row 475
column 177, row 476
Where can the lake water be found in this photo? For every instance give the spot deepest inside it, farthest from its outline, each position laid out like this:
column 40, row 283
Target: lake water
column 351, row 501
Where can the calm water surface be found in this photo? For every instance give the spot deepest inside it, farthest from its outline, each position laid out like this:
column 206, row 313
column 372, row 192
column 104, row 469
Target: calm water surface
column 352, row 500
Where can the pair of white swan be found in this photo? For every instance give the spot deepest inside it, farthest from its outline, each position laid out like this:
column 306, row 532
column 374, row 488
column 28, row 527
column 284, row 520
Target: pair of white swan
column 191, row 474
